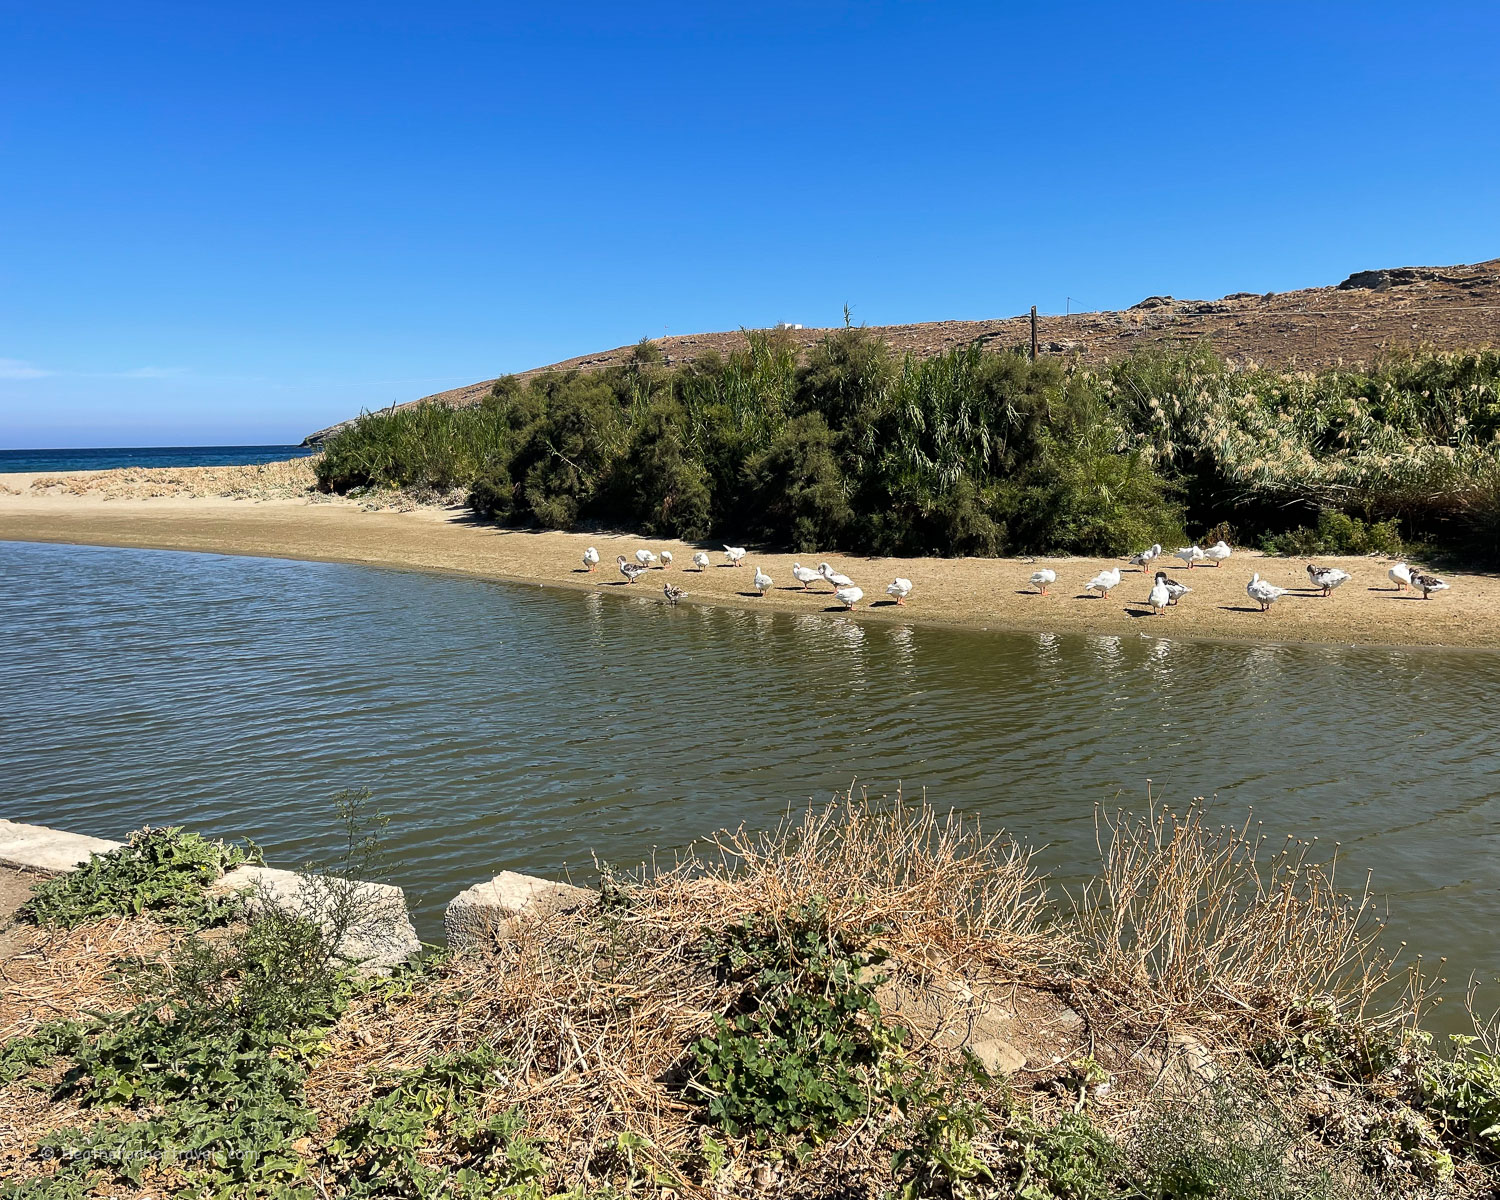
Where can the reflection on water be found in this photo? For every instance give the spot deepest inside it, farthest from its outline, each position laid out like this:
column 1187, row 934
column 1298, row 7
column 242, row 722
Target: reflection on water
column 513, row 727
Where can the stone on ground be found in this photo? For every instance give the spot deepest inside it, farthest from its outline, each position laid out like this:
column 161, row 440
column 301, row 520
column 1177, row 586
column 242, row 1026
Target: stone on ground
column 53, row 851
column 381, row 935
column 486, row 911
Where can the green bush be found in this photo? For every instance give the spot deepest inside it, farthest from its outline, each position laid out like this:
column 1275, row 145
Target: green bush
column 164, row 871
column 967, row 452
column 1337, row 533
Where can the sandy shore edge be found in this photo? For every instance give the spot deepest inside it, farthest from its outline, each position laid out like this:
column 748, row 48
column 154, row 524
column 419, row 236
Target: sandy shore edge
column 971, row 593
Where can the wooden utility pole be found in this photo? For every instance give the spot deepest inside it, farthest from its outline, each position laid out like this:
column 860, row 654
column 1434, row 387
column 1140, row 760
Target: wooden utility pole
column 1033, row 333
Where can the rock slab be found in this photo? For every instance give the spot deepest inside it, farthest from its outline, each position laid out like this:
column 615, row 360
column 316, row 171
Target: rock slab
column 381, row 935
column 487, row 910
column 52, row 851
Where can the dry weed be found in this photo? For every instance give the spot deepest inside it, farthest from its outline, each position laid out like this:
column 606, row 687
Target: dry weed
column 1198, row 925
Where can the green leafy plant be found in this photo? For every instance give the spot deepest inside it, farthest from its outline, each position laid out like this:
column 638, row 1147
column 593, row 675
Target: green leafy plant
column 808, row 1051
column 379, row 1152
column 162, row 871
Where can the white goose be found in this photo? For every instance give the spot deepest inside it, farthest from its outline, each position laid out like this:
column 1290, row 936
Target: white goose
column 1160, row 597
column 631, row 571
column 733, row 554
column 590, row 559
column 1400, row 575
column 899, row 588
column 666, row 559
column 804, row 575
column 1327, row 578
column 762, row 581
column 1427, row 583
column 1218, row 552
column 700, row 560
column 1146, row 557
column 1103, row 581
column 1043, row 579
column 849, row 596
column 834, row 577
column 645, row 557
column 1191, row 554
column 1263, row 592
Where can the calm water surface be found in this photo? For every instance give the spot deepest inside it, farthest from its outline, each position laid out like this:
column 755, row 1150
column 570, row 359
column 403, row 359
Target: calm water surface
column 514, row 727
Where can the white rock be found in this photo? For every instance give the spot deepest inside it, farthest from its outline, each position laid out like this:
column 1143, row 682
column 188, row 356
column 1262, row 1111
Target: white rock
column 37, row 848
column 483, row 912
column 382, row 935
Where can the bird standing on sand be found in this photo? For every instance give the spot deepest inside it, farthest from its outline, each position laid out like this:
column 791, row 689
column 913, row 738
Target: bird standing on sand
column 1263, row 592
column 762, row 581
column 899, row 588
column 1327, row 578
column 645, row 557
column 1427, row 583
column 1043, row 579
column 1160, row 597
column 700, row 560
column 666, row 559
column 833, row 577
column 1190, row 555
column 590, row 559
column 1146, row 557
column 849, row 596
column 1218, row 552
column 1175, row 591
column 804, row 575
column 673, row 594
column 1400, row 575
column 733, row 554
column 1103, row 581
column 631, row 571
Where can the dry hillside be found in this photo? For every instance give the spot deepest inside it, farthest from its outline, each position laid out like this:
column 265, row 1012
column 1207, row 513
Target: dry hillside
column 1444, row 307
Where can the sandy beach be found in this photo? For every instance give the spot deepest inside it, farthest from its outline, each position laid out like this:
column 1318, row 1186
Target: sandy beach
column 268, row 512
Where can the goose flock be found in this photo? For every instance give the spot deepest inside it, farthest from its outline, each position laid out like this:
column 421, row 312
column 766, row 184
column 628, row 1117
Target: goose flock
column 1166, row 591
column 845, row 590
column 1163, row 594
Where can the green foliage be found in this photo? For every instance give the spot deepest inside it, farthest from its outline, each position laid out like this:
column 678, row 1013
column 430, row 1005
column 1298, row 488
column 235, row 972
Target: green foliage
column 161, row 871
column 20, row 1056
column 379, row 1153
column 1462, row 1094
column 966, row 452
column 1071, row 1160
column 206, row 1068
column 1337, row 533
column 809, row 1051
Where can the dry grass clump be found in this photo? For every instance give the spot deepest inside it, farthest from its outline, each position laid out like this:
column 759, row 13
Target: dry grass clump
column 1202, row 926
column 65, row 974
column 929, row 885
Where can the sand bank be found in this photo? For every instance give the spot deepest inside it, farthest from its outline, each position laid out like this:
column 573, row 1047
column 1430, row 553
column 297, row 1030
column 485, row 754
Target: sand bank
column 983, row 593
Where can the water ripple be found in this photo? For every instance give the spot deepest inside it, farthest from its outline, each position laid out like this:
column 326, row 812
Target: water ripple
column 510, row 727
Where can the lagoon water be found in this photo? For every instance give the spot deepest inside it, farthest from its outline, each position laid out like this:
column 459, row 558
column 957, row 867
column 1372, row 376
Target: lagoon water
column 506, row 726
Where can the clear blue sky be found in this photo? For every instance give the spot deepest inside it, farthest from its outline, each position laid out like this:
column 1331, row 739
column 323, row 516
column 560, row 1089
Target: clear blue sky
column 238, row 222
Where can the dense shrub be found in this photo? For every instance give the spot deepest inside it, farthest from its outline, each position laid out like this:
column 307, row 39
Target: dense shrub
column 968, row 452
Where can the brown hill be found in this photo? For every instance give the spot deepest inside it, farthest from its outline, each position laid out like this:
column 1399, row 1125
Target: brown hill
column 1372, row 311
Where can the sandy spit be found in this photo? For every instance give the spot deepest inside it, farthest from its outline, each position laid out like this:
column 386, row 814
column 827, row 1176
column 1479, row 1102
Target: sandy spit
column 224, row 514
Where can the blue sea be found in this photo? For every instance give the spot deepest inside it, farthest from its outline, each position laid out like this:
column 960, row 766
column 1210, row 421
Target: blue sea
column 145, row 456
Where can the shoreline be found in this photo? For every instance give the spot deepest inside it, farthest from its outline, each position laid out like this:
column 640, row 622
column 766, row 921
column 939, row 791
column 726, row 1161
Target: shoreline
column 966, row 593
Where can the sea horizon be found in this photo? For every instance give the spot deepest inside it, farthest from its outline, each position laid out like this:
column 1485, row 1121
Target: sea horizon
column 103, row 458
